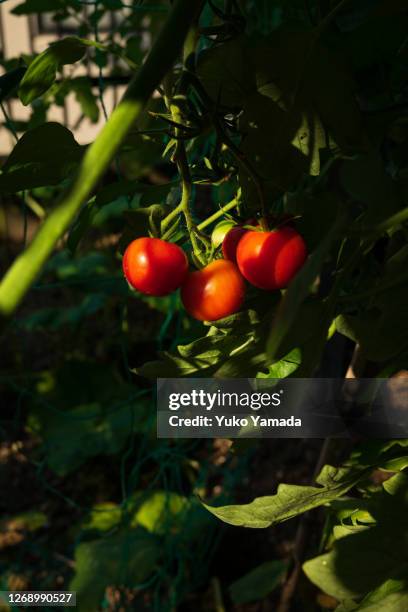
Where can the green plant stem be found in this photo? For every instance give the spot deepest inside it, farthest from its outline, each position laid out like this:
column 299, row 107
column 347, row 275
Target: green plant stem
column 172, row 215
column 221, row 211
column 245, row 163
column 218, row 601
column 180, row 158
column 180, row 153
column 25, row 268
column 33, row 205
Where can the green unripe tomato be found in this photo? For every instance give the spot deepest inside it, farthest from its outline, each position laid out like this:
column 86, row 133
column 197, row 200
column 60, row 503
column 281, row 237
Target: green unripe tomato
column 219, row 232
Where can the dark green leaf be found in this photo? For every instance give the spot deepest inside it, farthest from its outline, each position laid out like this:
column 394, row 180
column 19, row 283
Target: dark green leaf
column 112, row 5
column 85, row 97
column 30, row 7
column 134, row 49
column 124, row 559
column 226, row 74
column 285, row 366
column 376, row 40
column 10, row 80
column 42, row 71
column 43, row 156
column 71, row 437
column 274, row 141
column 366, row 180
column 297, row 71
column 298, row 290
column 54, row 318
column 258, row 583
column 380, row 329
column 364, row 558
column 391, row 596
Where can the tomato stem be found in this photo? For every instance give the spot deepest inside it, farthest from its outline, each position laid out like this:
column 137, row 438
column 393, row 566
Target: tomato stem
column 180, row 154
column 220, row 212
column 264, row 224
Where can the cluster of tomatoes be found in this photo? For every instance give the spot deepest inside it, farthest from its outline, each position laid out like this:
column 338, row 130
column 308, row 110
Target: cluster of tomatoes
column 266, row 259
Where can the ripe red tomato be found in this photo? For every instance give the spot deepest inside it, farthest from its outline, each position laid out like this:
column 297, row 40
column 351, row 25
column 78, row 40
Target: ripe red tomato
column 230, row 242
column 154, row 266
column 269, row 260
column 232, row 238
column 214, row 292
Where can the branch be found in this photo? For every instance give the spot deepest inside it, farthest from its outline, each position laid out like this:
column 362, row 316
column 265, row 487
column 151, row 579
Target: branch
column 180, row 158
column 27, row 266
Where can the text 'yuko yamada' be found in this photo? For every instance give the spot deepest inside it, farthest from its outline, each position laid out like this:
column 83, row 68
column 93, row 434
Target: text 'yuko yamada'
column 232, row 421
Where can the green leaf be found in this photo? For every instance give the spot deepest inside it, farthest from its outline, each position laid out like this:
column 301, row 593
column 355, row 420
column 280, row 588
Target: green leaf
column 367, row 181
column 291, row 500
column 225, row 72
column 113, row 4
column 142, row 222
column 376, row 41
column 231, row 347
column 391, row 596
column 42, row 71
column 120, row 192
column 370, row 451
column 156, row 194
column 285, row 366
column 275, row 141
column 84, row 409
column 127, row 558
column 384, row 303
column 26, row 521
column 30, row 7
column 85, row 97
column 160, row 512
column 43, row 156
column 134, row 49
column 259, row 582
column 315, row 214
column 88, row 430
column 54, row 318
column 386, row 314
column 296, row 70
column 10, row 80
column 299, row 288
column 103, row 517
column 364, row 558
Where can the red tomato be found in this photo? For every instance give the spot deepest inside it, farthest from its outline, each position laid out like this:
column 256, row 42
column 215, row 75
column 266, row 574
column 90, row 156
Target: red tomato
column 232, row 238
column 269, row 260
column 230, row 242
column 154, row 266
column 214, row 292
